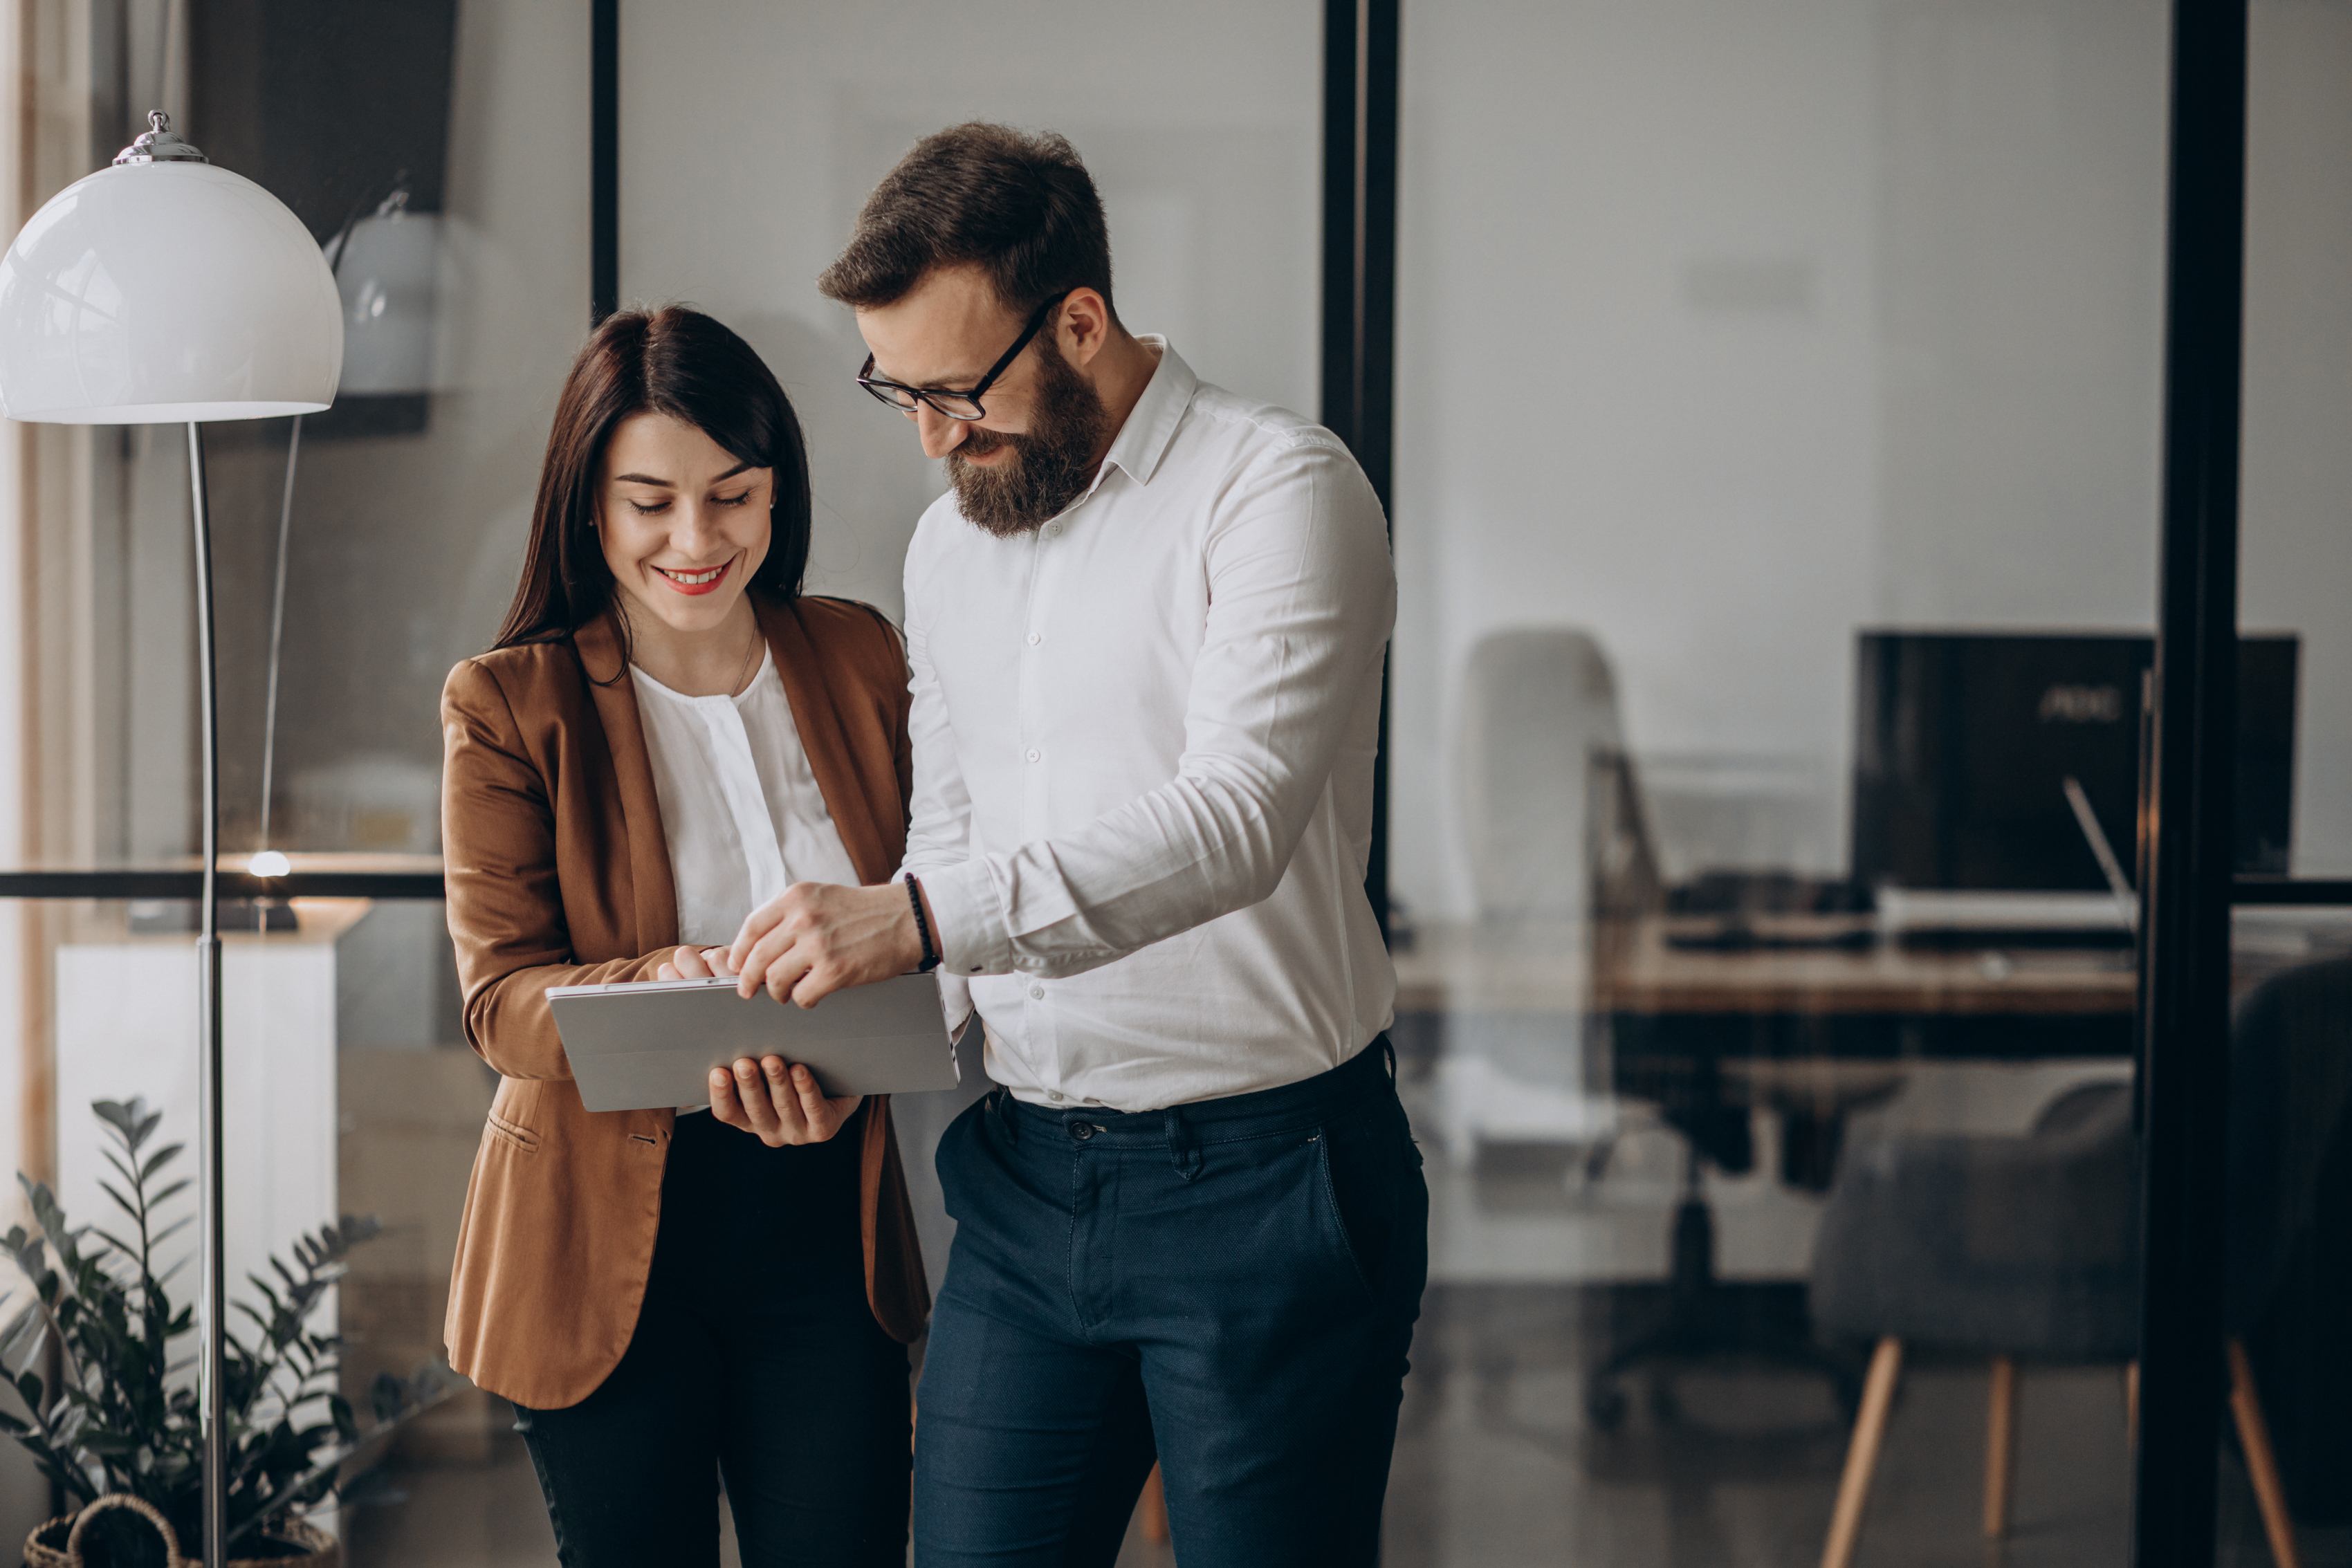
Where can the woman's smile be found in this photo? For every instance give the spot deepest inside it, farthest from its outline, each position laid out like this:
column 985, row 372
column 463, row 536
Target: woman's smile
column 705, row 579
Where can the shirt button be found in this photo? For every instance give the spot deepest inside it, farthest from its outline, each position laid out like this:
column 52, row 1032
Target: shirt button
column 1055, row 1095
column 1035, row 638
column 1037, row 993
column 1032, row 754
column 1052, row 530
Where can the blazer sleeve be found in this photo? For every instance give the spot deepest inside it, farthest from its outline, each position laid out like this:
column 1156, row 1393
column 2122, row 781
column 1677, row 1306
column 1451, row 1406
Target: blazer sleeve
column 506, row 906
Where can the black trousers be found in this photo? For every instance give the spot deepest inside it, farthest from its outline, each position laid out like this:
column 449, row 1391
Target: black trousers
column 755, row 1357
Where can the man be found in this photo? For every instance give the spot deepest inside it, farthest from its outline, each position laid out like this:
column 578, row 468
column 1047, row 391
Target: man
column 1146, row 627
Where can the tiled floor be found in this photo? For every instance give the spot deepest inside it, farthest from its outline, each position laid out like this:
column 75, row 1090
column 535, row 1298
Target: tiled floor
column 1497, row 1463
column 1497, row 1468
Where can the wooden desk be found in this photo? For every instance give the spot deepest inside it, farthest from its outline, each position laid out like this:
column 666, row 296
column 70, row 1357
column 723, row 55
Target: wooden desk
column 1635, row 969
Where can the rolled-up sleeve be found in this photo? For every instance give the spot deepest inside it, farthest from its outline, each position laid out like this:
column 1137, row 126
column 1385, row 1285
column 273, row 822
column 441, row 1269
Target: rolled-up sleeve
column 1301, row 598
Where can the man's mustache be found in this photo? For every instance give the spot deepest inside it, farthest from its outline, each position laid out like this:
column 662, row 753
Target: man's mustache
column 980, row 443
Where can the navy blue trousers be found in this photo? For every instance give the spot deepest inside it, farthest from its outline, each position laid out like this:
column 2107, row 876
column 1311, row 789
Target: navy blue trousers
column 1230, row 1287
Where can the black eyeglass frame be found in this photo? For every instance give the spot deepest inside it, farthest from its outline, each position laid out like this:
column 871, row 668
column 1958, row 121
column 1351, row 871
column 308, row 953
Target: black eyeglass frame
column 881, row 389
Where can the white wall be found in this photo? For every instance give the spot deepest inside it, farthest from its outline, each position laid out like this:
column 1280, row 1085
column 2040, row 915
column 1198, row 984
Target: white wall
column 1849, row 313
column 750, row 134
column 1636, row 368
column 2297, row 559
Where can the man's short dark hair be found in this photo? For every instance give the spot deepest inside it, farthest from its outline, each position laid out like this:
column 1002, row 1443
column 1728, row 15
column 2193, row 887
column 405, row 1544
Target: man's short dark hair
column 1021, row 207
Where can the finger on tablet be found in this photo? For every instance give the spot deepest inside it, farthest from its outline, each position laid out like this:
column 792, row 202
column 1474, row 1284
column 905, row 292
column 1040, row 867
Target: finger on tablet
column 753, row 966
column 724, row 1103
column 813, row 1104
column 756, row 926
column 750, row 1086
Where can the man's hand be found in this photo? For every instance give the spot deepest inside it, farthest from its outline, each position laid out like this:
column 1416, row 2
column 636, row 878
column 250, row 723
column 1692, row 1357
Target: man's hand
column 818, row 938
column 777, row 1103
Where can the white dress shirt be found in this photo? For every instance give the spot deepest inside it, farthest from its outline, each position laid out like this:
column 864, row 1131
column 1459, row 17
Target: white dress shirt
column 1144, row 736
column 740, row 806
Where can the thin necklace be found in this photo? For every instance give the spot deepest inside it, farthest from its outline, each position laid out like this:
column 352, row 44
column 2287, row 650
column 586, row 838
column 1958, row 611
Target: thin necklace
column 744, row 673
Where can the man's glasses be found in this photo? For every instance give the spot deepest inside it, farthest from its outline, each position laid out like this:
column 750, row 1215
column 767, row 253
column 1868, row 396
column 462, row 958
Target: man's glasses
column 964, row 406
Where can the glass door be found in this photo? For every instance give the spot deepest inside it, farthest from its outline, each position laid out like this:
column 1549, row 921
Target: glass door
column 1778, row 440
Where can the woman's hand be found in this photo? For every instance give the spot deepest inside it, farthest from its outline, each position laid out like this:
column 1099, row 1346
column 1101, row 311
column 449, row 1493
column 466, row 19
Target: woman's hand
column 778, row 1103
column 695, row 964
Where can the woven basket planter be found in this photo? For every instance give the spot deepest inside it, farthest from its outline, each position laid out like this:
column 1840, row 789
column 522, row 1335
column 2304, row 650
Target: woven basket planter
column 58, row 1543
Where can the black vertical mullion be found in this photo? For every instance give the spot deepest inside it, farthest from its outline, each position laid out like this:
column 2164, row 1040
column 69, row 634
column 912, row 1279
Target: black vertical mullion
column 603, row 159
column 2185, row 1020
column 1361, row 45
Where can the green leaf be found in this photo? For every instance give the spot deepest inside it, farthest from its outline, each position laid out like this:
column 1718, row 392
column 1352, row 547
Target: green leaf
column 120, row 1168
column 30, row 1388
column 158, row 1159
column 115, row 1241
column 122, row 1118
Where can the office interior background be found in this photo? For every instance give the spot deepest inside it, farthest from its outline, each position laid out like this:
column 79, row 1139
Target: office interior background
column 1776, row 464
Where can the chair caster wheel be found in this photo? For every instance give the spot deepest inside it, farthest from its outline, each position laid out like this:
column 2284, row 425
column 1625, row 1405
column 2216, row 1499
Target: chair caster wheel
column 1605, row 1406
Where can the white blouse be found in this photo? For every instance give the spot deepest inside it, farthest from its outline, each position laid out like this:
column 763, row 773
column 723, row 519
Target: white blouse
column 738, row 803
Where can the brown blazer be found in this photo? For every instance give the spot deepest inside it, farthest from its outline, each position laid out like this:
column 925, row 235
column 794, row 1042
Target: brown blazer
column 559, row 875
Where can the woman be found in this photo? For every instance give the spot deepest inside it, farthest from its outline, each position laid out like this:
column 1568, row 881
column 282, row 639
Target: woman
column 664, row 736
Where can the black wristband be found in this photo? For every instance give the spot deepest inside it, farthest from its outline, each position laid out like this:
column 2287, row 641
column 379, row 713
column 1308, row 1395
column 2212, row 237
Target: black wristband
column 922, row 927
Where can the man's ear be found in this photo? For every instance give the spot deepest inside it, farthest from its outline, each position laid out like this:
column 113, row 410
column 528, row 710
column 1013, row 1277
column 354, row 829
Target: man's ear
column 1082, row 326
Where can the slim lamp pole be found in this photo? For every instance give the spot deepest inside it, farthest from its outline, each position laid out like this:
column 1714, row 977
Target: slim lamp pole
column 219, row 306
column 211, row 1384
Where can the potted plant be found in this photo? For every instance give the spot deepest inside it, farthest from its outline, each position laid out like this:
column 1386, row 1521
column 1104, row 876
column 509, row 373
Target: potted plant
column 122, row 1421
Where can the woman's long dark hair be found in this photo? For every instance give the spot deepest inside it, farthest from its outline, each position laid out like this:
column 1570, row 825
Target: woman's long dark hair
column 674, row 361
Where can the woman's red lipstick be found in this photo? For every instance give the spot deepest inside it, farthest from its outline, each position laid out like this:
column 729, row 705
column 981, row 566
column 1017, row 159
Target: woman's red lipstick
column 717, row 575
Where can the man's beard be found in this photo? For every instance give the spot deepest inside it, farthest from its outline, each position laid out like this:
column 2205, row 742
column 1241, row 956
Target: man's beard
column 1051, row 464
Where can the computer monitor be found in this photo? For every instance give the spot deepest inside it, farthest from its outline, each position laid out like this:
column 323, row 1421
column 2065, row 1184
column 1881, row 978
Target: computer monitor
column 1963, row 742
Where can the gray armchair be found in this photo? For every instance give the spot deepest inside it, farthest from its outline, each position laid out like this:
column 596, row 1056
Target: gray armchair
column 2021, row 1248
column 2025, row 1248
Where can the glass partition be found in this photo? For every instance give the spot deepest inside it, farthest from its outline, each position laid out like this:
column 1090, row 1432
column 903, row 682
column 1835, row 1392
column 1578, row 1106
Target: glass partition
column 750, row 140
column 437, row 149
column 2287, row 1446
column 1775, row 515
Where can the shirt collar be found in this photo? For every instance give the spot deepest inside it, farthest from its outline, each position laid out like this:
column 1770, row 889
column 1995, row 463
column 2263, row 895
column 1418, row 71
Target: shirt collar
column 1152, row 424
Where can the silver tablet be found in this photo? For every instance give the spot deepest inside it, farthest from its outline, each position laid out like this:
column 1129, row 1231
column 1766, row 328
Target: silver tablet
column 641, row 1046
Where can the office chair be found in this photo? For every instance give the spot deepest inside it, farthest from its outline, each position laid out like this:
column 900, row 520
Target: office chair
column 1695, row 1097
column 1536, row 703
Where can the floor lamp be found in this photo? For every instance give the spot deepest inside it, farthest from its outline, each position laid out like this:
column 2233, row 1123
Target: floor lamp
column 165, row 291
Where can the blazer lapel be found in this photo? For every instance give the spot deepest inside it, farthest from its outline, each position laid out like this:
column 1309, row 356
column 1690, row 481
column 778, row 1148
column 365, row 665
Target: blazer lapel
column 655, row 896
column 818, row 720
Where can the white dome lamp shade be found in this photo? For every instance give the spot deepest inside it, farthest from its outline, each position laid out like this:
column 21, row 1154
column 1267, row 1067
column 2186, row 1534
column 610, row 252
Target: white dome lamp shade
column 163, row 290
column 386, row 271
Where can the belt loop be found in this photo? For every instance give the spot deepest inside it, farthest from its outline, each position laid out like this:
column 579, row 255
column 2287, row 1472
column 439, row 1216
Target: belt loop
column 1182, row 1153
column 1001, row 1109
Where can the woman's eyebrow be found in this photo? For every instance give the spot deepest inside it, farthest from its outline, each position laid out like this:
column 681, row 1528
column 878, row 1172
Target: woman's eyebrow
column 671, row 483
